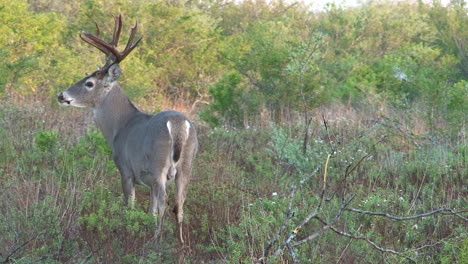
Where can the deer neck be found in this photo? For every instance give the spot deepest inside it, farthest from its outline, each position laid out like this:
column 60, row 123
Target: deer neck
column 112, row 112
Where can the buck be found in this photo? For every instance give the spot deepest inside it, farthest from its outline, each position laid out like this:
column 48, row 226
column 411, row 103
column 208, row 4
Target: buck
column 150, row 150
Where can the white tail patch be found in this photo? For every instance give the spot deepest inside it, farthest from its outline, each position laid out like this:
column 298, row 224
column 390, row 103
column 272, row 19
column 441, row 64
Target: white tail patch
column 169, row 127
column 172, row 169
column 187, row 127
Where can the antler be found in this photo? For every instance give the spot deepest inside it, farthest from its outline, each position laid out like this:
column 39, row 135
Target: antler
column 110, row 48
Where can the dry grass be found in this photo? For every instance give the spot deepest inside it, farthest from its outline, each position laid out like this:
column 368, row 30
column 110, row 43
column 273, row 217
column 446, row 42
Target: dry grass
column 45, row 191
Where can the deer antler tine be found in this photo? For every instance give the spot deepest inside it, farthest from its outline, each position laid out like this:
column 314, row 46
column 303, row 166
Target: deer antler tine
column 89, row 38
column 98, row 31
column 117, row 29
column 110, row 48
column 127, row 51
column 132, row 36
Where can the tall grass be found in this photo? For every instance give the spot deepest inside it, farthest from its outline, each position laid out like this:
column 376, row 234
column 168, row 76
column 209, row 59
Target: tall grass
column 61, row 194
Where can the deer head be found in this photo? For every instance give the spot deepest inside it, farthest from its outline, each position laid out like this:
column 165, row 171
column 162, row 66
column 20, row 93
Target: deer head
column 88, row 91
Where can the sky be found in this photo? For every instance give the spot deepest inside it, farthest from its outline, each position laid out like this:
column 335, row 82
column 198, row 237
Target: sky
column 320, row 4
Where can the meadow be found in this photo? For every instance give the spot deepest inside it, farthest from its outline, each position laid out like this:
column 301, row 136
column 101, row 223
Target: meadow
column 325, row 137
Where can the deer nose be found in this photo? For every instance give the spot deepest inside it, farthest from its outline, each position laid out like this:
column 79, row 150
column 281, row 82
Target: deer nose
column 60, row 98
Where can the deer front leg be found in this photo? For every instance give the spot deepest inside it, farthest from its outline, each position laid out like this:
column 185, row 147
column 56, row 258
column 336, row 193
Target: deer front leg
column 128, row 188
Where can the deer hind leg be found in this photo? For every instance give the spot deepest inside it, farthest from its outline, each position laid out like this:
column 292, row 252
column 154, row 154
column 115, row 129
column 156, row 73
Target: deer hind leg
column 172, row 171
column 182, row 179
column 178, row 208
column 128, row 187
column 158, row 198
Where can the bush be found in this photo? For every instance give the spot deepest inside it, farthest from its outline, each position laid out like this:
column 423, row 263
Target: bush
column 231, row 105
column 111, row 231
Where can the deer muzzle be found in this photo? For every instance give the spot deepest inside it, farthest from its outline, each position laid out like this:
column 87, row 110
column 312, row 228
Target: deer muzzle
column 62, row 99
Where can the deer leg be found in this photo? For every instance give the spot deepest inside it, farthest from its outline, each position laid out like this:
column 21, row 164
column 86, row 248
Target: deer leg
column 157, row 204
column 158, row 198
column 128, row 190
column 182, row 178
column 153, row 201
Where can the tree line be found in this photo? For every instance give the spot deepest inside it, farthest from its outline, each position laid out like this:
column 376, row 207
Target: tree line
column 232, row 60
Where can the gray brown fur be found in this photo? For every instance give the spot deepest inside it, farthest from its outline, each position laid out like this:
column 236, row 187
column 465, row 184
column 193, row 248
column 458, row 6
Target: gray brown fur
column 143, row 148
column 147, row 149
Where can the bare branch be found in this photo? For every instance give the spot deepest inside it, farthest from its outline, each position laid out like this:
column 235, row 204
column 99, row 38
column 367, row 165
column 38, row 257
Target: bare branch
column 325, row 124
column 311, row 215
column 347, row 246
column 325, row 227
column 292, row 253
column 7, row 259
column 287, row 217
column 288, row 214
column 449, row 211
column 370, row 242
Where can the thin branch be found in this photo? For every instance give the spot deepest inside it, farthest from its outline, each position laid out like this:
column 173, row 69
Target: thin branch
column 308, row 217
column 292, row 253
column 325, row 227
column 429, row 245
column 288, row 215
column 7, row 259
column 404, row 218
column 370, row 242
column 296, row 230
column 325, row 123
column 347, row 246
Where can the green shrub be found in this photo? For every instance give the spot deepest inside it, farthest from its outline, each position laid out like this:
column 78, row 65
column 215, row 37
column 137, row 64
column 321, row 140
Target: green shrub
column 46, row 140
column 110, row 230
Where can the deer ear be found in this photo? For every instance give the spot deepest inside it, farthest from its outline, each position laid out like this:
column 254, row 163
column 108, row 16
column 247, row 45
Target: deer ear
column 113, row 73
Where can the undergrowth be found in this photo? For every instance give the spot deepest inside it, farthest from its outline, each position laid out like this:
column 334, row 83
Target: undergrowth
column 62, row 200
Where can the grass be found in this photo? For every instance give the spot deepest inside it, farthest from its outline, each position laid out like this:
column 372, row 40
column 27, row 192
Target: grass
column 62, row 197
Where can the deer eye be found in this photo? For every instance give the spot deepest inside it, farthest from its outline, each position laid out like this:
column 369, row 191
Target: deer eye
column 89, row 84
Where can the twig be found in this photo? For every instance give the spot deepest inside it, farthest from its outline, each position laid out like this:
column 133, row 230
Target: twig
column 325, row 227
column 296, row 230
column 399, row 218
column 346, row 247
column 287, row 217
column 292, row 253
column 308, row 217
column 428, row 245
column 373, row 244
column 7, row 259
column 417, row 194
column 325, row 123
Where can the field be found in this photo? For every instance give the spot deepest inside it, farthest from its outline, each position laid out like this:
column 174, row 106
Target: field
column 326, row 136
column 63, row 200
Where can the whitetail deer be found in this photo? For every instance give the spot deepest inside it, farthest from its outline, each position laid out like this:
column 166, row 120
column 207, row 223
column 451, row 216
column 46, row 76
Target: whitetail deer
column 147, row 149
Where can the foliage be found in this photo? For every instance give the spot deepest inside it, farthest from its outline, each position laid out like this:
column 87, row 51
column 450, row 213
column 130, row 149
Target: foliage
column 111, row 231
column 389, row 79
column 230, row 105
column 273, row 57
column 65, row 193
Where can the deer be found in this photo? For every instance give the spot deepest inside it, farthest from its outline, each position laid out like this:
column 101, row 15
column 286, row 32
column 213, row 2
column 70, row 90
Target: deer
column 149, row 150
